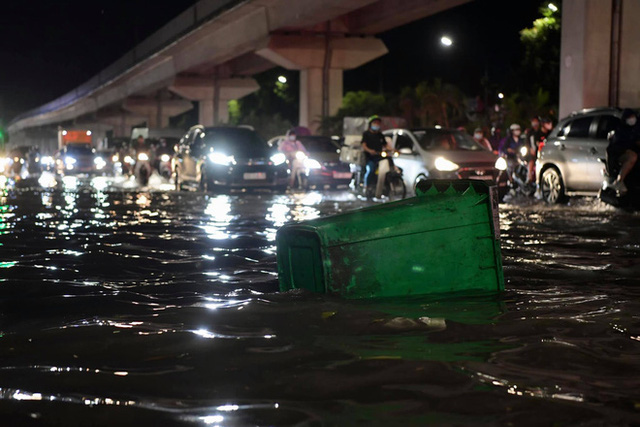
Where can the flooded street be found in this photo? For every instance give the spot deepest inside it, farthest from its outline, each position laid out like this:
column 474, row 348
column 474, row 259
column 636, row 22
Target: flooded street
column 128, row 306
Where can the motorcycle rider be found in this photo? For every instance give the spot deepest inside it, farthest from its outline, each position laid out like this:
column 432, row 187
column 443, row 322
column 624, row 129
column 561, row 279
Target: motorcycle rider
column 532, row 137
column 290, row 146
column 478, row 136
column 624, row 147
column 510, row 146
column 373, row 144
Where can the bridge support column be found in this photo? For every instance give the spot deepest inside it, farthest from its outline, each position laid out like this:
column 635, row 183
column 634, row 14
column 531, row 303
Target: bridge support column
column 600, row 54
column 213, row 95
column 157, row 111
column 121, row 122
column 321, row 60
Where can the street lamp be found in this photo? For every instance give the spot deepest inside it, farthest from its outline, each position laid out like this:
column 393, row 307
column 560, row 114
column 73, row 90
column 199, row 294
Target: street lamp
column 552, row 7
column 446, row 41
column 282, row 79
column 501, row 95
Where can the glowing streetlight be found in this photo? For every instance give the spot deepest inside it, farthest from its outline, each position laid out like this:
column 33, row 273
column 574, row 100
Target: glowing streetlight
column 501, row 95
column 446, row 41
column 552, row 7
column 282, row 79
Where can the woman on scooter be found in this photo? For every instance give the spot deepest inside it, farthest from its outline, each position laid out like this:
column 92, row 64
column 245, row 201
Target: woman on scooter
column 373, row 144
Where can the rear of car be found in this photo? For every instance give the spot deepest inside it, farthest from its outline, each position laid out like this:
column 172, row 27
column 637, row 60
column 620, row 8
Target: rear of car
column 571, row 162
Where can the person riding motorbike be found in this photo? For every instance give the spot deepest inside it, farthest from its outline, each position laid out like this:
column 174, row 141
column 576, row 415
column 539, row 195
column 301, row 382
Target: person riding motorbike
column 142, row 170
column 295, row 152
column 373, row 144
column 509, row 148
column 624, row 148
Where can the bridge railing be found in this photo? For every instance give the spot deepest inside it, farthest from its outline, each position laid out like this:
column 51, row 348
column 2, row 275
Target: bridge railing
column 181, row 25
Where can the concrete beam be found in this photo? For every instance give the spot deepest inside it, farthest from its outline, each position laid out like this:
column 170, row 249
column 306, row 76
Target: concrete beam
column 384, row 15
column 302, row 52
column 156, row 111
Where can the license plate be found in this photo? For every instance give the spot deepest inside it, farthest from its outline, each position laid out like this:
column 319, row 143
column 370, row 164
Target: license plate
column 341, row 175
column 254, row 175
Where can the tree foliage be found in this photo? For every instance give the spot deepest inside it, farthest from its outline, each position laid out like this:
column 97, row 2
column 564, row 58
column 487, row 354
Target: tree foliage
column 431, row 103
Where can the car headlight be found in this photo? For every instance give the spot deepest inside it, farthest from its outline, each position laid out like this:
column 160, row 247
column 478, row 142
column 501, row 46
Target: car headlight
column 312, row 164
column 98, row 160
column 220, row 159
column 143, row 157
column 523, row 151
column 165, row 158
column 300, row 155
column 129, row 159
column 278, row 159
column 501, row 164
column 69, row 161
column 114, row 158
column 445, row 165
column 47, row 160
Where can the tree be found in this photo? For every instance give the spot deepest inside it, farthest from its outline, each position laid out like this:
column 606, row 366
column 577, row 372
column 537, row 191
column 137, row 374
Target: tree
column 355, row 104
column 431, row 103
column 541, row 64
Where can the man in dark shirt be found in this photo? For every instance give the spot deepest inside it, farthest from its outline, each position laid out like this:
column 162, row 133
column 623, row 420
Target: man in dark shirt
column 624, row 147
column 373, row 143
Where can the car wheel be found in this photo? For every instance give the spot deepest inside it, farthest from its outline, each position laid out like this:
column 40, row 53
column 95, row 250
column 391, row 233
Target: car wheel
column 552, row 186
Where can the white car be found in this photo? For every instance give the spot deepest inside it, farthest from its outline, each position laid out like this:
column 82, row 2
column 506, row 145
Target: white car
column 435, row 153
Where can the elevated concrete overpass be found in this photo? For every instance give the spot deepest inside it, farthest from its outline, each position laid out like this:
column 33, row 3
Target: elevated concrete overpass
column 209, row 53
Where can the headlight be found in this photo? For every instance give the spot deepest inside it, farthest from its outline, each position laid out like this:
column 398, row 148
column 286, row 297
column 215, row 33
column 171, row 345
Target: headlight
column 523, row 151
column 165, row 158
column 300, row 155
column 114, row 158
column 69, row 161
column 99, row 160
column 312, row 164
column 278, row 159
column 143, row 157
column 129, row 159
column 445, row 165
column 501, row 164
column 220, row 159
column 46, row 160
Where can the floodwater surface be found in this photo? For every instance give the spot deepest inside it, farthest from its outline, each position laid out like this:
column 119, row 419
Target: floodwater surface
column 127, row 306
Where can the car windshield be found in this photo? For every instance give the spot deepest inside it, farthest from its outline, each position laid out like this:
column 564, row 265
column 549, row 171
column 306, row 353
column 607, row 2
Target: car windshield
column 444, row 139
column 79, row 149
column 318, row 144
column 239, row 142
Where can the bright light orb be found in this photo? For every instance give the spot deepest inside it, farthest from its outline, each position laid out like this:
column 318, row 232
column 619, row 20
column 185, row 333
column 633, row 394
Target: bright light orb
column 446, row 41
column 282, row 79
column 552, row 7
column 501, row 95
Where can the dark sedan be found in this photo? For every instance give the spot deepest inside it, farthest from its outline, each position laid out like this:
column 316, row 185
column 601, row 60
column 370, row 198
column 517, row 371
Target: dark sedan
column 228, row 157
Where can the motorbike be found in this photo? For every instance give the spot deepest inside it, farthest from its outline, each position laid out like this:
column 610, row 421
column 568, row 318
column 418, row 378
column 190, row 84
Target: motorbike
column 142, row 170
column 518, row 173
column 390, row 182
column 164, row 165
column 631, row 199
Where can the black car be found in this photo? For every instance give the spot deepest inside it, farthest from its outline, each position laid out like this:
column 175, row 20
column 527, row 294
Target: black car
column 228, row 157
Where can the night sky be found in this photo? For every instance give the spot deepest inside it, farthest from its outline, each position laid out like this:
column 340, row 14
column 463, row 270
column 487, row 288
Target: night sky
column 49, row 47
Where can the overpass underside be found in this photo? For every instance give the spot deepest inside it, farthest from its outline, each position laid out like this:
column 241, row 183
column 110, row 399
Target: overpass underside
column 214, row 62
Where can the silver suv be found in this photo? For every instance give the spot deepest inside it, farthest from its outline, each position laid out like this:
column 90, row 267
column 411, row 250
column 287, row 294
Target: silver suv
column 571, row 162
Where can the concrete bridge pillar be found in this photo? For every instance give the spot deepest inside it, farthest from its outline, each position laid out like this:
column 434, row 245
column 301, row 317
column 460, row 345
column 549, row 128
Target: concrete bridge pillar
column 213, row 95
column 156, row 111
column 600, row 54
column 321, row 60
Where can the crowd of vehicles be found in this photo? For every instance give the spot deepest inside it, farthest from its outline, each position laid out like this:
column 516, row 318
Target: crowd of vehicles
column 571, row 161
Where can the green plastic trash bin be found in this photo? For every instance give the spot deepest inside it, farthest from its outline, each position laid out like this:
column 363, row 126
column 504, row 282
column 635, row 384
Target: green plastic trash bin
column 445, row 239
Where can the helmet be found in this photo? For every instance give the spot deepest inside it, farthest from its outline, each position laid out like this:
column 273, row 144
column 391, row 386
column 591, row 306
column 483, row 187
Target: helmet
column 373, row 119
column 628, row 112
column 291, row 131
column 514, row 126
column 545, row 120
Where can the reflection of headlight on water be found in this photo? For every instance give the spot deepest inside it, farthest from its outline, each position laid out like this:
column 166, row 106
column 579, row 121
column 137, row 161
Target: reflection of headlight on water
column 445, row 165
column 165, row 158
column 70, row 182
column 312, row 164
column 501, row 164
column 221, row 159
column 47, row 180
column 143, row 157
column 278, row 159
